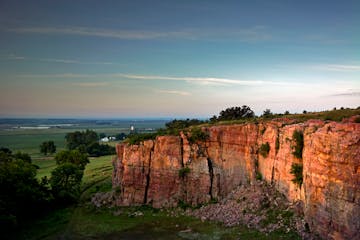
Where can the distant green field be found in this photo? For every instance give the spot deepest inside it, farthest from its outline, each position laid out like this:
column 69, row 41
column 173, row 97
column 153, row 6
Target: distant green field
column 29, row 140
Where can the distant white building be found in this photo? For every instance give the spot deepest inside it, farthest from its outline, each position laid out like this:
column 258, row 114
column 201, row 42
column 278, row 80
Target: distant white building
column 107, row 139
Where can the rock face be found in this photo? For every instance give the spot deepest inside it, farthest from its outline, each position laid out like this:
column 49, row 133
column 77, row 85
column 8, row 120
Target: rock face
column 171, row 170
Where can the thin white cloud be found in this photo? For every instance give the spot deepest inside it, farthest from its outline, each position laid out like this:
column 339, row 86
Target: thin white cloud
column 107, row 33
column 90, row 84
column 250, row 34
column 346, row 94
column 71, row 61
column 204, row 80
column 339, row 67
column 323, row 39
column 61, row 75
column 15, row 57
column 52, row 60
column 198, row 80
column 182, row 93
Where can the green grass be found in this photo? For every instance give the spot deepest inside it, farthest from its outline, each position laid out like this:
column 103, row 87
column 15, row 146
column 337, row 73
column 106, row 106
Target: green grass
column 154, row 224
column 29, row 140
column 45, row 165
column 332, row 115
column 85, row 222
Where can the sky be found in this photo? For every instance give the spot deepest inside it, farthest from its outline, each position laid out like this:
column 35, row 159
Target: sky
column 121, row 59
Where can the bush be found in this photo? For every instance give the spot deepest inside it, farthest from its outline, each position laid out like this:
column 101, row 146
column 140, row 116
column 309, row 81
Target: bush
column 297, row 171
column 184, row 171
column 264, row 149
column 259, row 176
column 197, row 135
column 262, row 131
column 277, row 144
column 137, row 138
column 182, row 124
column 298, row 137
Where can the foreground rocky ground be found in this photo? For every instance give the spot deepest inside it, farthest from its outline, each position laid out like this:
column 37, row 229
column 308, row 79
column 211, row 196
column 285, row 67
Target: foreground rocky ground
column 258, row 207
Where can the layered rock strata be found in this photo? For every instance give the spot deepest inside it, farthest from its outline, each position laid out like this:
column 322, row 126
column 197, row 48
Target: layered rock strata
column 171, row 170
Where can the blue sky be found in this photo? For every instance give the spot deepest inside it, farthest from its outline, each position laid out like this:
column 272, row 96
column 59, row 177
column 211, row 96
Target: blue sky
column 176, row 58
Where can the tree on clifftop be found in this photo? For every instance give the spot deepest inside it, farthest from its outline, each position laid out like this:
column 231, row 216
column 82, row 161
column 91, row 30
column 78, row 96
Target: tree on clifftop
column 234, row 113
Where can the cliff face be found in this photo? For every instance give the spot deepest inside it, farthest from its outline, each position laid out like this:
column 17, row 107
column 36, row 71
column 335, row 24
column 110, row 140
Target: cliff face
column 171, row 170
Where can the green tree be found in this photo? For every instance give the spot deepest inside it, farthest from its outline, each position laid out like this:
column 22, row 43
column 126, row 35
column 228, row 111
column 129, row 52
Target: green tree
column 235, row 113
column 120, row 136
column 95, row 149
column 80, row 140
column 66, row 178
column 267, row 113
column 48, row 147
column 21, row 193
column 65, row 182
column 73, row 156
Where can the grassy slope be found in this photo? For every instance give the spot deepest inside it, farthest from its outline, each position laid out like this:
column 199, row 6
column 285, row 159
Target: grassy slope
column 97, row 173
column 85, row 222
column 332, row 115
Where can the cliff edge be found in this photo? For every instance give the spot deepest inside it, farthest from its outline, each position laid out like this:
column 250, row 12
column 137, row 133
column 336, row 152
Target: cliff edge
column 174, row 169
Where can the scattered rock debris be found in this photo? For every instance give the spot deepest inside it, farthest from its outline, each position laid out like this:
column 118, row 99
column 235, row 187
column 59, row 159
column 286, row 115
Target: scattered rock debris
column 257, row 206
column 102, row 199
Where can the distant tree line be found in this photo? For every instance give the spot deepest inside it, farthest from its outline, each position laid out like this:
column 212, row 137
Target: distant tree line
column 88, row 142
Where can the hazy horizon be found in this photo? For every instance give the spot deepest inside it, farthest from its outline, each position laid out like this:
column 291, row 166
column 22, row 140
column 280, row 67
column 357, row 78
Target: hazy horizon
column 176, row 59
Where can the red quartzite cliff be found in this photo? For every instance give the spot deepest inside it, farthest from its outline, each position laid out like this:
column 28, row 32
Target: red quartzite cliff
column 170, row 169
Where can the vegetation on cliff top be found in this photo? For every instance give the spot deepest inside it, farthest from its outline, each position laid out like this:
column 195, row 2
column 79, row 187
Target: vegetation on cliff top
column 239, row 115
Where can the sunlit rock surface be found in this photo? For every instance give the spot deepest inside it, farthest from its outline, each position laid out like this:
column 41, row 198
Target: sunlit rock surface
column 171, row 170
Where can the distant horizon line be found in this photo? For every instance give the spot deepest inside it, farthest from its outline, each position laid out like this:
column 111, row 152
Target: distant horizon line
column 100, row 118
